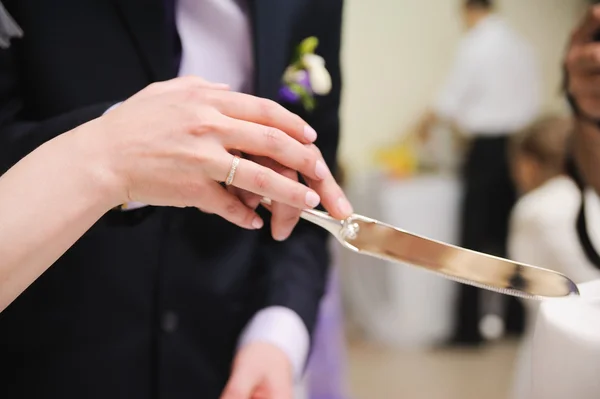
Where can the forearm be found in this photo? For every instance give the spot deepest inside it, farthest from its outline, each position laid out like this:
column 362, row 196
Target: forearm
column 298, row 272
column 429, row 119
column 47, row 201
column 298, row 269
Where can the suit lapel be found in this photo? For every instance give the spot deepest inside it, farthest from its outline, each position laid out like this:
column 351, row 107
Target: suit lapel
column 273, row 22
column 147, row 23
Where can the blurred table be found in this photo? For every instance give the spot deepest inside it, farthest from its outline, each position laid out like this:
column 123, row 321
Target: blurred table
column 396, row 304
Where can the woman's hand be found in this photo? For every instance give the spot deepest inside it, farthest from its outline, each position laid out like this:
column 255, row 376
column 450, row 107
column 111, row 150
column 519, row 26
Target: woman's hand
column 171, row 144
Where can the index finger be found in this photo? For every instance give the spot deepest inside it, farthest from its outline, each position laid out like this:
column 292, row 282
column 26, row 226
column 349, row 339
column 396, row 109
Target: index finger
column 265, row 112
column 284, row 217
column 588, row 27
column 332, row 196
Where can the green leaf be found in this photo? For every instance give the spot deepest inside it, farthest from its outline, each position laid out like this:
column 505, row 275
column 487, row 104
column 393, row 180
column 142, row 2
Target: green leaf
column 308, row 101
column 298, row 89
column 309, row 104
column 308, row 45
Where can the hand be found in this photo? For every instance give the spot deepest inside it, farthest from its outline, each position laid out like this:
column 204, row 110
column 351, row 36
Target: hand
column 286, row 217
column 424, row 126
column 260, row 371
column 170, row 144
column 583, row 66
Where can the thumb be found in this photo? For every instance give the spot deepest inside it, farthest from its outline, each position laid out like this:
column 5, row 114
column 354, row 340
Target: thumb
column 241, row 384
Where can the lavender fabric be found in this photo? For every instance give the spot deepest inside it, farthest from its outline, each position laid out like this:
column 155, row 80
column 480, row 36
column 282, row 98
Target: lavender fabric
column 326, row 367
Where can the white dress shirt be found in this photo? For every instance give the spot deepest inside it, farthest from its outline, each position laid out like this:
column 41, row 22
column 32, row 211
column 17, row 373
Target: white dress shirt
column 542, row 233
column 216, row 40
column 493, row 87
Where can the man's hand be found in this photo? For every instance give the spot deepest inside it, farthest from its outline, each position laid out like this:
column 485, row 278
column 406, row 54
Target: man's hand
column 260, row 371
column 424, row 126
column 285, row 217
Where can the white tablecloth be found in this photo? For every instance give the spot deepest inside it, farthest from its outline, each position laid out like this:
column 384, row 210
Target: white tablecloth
column 397, row 304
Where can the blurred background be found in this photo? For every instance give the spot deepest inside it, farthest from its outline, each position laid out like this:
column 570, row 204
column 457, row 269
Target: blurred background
column 398, row 322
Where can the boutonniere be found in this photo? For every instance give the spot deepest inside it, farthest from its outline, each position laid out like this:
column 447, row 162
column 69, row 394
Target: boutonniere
column 306, row 76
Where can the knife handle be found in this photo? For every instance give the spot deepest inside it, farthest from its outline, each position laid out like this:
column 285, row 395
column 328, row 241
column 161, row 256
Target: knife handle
column 322, row 219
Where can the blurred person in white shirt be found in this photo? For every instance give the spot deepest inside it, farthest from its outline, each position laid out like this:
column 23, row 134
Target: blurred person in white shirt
column 492, row 92
column 542, row 226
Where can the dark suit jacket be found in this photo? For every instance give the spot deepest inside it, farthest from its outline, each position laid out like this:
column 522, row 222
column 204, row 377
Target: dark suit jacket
column 148, row 303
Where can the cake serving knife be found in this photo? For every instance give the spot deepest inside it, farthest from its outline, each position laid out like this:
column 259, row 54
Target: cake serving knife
column 373, row 238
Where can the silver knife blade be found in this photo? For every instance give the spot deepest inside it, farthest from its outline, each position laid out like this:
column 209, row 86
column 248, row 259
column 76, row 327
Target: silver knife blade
column 373, row 238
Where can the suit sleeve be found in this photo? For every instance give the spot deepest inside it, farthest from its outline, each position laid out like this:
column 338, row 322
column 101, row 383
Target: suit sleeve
column 20, row 134
column 298, row 267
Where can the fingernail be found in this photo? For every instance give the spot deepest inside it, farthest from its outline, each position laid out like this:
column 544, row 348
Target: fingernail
column 321, row 170
column 344, row 206
column 310, row 134
column 257, row 223
column 312, row 199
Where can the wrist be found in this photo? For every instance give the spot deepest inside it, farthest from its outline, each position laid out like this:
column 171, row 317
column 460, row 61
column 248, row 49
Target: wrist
column 282, row 328
column 98, row 161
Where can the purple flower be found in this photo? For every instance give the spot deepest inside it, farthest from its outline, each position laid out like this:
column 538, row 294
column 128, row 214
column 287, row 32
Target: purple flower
column 287, row 95
column 303, row 79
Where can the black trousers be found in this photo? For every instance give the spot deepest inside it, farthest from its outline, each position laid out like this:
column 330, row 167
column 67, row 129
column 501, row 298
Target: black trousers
column 489, row 198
